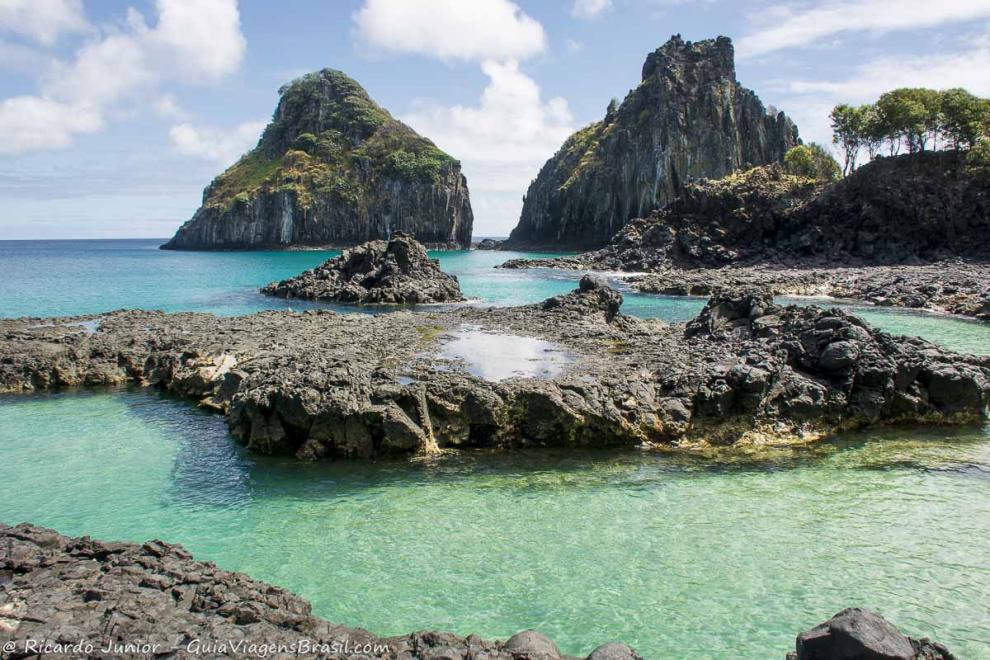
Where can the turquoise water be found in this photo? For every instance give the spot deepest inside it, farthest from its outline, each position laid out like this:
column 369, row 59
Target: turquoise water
column 682, row 557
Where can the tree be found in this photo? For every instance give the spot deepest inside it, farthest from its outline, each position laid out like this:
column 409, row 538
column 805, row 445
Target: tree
column 910, row 114
column 965, row 118
column 874, row 132
column 811, row 160
column 847, row 132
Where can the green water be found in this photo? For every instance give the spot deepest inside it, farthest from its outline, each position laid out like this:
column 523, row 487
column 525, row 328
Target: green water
column 682, row 557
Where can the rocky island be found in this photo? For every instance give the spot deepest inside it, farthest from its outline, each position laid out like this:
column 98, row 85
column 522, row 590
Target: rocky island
column 333, row 168
column 397, row 271
column 87, row 598
column 689, row 118
column 321, row 384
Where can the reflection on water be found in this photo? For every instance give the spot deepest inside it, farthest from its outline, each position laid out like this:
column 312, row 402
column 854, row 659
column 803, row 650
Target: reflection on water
column 668, row 551
column 497, row 356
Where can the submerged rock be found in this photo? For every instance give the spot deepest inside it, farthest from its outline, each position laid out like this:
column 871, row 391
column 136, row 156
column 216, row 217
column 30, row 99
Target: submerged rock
column 689, row 118
column 332, row 168
column 377, row 272
column 858, row 634
column 155, row 600
column 321, row 384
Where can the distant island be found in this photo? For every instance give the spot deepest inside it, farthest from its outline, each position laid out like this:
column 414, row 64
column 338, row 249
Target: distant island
column 333, row 168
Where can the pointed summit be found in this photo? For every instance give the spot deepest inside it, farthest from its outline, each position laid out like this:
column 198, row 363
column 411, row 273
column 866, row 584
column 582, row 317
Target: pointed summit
column 332, row 168
column 688, row 119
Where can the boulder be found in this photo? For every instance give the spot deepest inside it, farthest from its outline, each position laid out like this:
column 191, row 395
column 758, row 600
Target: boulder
column 397, row 271
column 858, row 634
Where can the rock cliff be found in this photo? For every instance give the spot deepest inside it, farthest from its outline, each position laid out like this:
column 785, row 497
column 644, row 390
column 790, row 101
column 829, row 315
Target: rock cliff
column 397, row 271
column 332, row 168
column 688, row 118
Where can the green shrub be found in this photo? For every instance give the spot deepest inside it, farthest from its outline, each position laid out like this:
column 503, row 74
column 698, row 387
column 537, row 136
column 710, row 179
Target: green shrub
column 811, row 161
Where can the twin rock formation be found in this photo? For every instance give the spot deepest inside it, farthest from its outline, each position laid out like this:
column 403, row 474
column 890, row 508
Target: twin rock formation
column 333, row 168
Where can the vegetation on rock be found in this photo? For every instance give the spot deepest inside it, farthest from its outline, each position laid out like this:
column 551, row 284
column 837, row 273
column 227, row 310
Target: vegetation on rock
column 333, row 167
column 811, row 161
column 687, row 119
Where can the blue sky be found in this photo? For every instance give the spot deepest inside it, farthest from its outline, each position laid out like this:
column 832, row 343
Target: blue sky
column 115, row 115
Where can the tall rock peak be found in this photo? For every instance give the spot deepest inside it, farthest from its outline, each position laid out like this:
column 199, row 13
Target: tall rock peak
column 688, row 119
column 332, row 168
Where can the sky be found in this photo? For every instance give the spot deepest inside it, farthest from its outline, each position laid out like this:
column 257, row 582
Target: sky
column 114, row 115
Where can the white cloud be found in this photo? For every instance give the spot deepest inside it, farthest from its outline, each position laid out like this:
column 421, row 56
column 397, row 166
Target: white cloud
column 573, row 47
column 782, row 26
column 42, row 20
column 168, row 107
column 502, row 141
column 193, row 41
column 202, row 39
column 30, row 123
column 217, row 145
column 451, row 29
column 590, row 8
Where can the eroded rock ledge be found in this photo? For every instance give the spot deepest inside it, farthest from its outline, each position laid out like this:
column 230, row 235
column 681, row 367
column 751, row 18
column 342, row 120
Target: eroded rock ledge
column 397, row 271
column 321, row 384
column 83, row 593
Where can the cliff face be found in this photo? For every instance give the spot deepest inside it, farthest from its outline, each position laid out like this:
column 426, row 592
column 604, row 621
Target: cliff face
column 687, row 119
column 332, row 168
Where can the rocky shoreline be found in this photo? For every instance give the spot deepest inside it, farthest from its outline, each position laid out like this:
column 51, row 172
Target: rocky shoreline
column 79, row 597
column 908, row 231
column 321, row 384
column 951, row 287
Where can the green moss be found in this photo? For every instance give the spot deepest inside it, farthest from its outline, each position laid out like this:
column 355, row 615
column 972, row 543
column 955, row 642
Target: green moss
column 581, row 150
column 242, row 179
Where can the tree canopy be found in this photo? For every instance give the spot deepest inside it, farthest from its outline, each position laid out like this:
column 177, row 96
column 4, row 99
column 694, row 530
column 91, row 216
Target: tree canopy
column 911, row 118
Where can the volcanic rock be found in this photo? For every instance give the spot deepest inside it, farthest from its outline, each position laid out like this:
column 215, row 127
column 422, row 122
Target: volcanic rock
column 377, row 272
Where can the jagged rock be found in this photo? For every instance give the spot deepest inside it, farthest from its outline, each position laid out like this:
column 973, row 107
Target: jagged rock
column 93, row 598
column 322, row 385
column 858, row 634
column 488, row 244
column 332, row 168
column 889, row 234
column 687, row 119
column 377, row 272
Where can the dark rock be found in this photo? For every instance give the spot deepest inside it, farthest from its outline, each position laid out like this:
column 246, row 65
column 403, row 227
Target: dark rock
column 325, row 385
column 858, row 634
column 331, row 169
column 488, row 244
column 531, row 645
column 687, row 119
column 378, row 272
column 90, row 595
